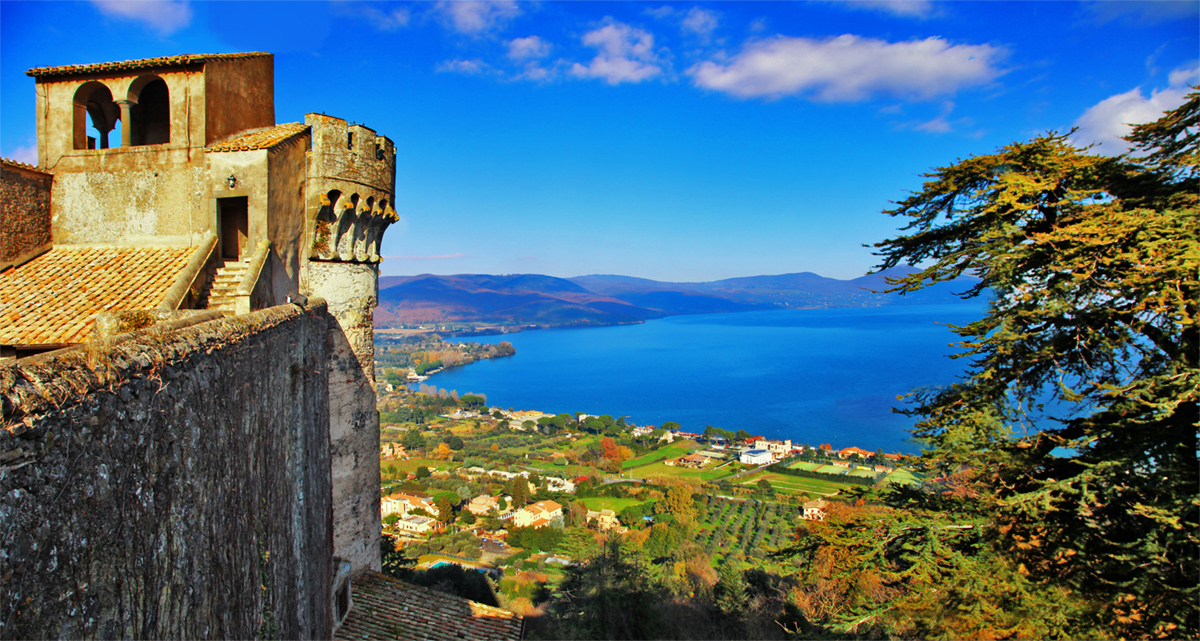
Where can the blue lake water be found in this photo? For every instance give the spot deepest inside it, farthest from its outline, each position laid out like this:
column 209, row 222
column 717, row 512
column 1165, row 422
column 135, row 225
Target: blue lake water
column 814, row 376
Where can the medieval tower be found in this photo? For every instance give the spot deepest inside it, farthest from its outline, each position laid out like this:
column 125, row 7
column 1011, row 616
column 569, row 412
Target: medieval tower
column 237, row 423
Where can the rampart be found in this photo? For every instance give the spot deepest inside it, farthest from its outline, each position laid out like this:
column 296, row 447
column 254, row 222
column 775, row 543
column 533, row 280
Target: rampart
column 174, row 485
column 24, row 212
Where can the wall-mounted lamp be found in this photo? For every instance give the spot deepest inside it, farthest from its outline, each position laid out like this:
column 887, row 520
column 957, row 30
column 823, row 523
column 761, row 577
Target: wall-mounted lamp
column 232, row 181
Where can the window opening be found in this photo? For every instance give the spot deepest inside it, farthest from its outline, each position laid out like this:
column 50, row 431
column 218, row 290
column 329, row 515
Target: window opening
column 96, row 117
column 151, row 112
column 350, row 140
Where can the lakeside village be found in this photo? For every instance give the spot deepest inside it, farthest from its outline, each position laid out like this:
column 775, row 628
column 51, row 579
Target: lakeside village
column 522, row 496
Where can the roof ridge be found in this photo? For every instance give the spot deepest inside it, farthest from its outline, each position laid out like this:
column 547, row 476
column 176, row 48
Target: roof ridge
column 22, row 165
column 260, row 138
column 141, row 63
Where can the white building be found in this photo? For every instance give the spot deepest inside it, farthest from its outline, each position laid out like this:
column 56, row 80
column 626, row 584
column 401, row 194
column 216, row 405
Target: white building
column 416, row 524
column 815, row 510
column 402, row 504
column 537, row 515
column 756, row 457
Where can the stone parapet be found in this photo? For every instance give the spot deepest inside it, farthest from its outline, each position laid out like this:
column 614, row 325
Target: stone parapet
column 173, row 486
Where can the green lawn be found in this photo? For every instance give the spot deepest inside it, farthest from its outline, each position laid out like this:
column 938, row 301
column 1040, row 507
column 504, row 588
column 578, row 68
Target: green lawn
column 795, row 484
column 410, row 466
column 673, row 450
column 696, row 476
column 609, row 503
column 904, row 476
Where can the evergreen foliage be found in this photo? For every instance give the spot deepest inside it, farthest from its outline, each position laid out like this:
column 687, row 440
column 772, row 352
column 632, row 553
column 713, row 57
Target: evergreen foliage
column 1082, row 522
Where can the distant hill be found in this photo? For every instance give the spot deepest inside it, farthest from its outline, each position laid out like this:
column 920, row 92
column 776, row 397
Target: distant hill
column 547, row 301
column 799, row 291
column 523, row 299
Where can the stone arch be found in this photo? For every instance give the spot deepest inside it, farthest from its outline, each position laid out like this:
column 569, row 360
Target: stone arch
column 150, row 111
column 346, row 223
column 324, row 244
column 93, row 101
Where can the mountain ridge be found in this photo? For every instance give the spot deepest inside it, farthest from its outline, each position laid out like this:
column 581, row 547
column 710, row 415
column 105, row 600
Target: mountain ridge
column 606, row 299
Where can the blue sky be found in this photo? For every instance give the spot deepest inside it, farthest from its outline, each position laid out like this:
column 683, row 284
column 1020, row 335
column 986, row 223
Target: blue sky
column 675, row 141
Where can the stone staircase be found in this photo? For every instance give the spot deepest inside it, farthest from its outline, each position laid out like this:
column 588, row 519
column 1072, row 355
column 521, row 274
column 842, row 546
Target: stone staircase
column 221, row 292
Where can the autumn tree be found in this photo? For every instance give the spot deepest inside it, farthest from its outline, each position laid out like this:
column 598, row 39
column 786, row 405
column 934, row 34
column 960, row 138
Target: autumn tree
column 678, row 503
column 442, row 452
column 1073, row 438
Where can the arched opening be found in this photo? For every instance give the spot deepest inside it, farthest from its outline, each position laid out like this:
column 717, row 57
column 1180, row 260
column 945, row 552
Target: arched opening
column 95, row 117
column 150, row 115
column 323, row 239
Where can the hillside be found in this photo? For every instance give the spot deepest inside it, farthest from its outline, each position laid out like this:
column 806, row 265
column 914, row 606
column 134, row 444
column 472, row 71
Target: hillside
column 547, row 301
column 522, row 299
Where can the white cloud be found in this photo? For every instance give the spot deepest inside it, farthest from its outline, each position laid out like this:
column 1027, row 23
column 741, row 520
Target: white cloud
column 700, row 22
column 528, row 48
column 477, row 17
column 901, row 8
column 1112, row 118
column 469, row 67
column 626, row 54
column 938, row 125
column 26, row 154
column 1185, row 76
column 850, row 68
column 164, row 16
column 383, row 20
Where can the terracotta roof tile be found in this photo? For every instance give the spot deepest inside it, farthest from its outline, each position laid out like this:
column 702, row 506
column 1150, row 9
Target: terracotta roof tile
column 386, row 608
column 144, row 63
column 22, row 165
column 54, row 298
column 261, row 138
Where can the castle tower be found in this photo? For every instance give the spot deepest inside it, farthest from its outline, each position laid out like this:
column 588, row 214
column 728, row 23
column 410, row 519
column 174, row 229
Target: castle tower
column 350, row 187
column 181, row 155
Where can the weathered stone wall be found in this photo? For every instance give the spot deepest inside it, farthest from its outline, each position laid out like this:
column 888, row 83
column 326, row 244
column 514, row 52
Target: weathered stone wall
column 352, row 292
column 176, row 485
column 287, row 169
column 24, row 212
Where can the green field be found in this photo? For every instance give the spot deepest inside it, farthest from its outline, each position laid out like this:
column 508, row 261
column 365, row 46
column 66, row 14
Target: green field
column 410, row 466
column 795, row 484
column 608, row 503
column 673, row 450
column 903, row 476
column 696, row 476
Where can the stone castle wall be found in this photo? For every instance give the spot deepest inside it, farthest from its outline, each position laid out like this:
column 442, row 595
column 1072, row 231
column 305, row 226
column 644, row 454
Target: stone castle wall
column 176, row 485
column 352, row 291
column 24, row 212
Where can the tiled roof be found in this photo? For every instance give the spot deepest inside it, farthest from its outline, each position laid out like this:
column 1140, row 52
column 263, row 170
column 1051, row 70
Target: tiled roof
column 144, row 63
column 54, row 298
column 261, row 138
column 22, row 165
column 386, row 608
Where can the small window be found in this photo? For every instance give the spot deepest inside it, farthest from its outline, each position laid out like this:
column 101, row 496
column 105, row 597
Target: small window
column 350, row 140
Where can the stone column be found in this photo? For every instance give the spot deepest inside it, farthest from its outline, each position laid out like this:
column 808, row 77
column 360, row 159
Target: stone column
column 351, row 291
column 126, row 122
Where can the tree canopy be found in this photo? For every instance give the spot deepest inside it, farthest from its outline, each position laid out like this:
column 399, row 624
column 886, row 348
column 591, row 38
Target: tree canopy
column 1069, row 449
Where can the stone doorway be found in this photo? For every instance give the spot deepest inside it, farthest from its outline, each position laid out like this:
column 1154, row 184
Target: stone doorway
column 235, row 225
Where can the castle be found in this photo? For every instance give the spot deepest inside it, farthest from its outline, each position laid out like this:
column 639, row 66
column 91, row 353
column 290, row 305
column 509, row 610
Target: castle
column 190, row 440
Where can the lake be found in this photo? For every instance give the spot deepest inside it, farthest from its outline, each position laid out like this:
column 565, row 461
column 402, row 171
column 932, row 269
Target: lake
column 814, row 376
